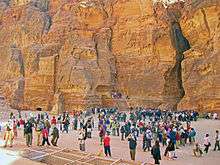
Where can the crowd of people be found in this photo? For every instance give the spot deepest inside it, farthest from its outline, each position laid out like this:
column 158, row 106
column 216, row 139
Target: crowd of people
column 163, row 128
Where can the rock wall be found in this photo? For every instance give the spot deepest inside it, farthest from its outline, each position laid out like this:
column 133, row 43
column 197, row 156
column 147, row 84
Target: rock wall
column 154, row 54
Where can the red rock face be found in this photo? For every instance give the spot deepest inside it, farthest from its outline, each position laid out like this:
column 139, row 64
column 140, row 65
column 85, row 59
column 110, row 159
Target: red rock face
column 70, row 55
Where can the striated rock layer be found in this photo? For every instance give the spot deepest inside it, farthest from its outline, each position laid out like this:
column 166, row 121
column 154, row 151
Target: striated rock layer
column 70, row 55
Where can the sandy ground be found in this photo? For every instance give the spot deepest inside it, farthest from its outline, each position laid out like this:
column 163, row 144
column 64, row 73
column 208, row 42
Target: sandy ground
column 120, row 148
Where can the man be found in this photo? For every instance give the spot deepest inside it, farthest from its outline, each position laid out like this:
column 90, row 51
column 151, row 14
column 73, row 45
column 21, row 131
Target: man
column 28, row 133
column 55, row 135
column 132, row 146
column 217, row 138
column 107, row 148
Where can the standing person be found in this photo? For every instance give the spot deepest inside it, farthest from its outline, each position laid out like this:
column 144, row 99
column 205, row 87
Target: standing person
column 132, row 146
column 45, row 135
column 39, row 128
column 75, row 122
column 15, row 131
column 148, row 140
column 101, row 134
column 47, row 125
column 155, row 151
column 107, row 148
column 217, row 139
column 59, row 121
column 117, row 128
column 55, row 136
column 28, row 133
column 122, row 130
column 207, row 143
column 8, row 136
column 53, row 122
column 81, row 138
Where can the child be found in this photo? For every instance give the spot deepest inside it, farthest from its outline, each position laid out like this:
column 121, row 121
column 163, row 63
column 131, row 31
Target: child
column 107, row 145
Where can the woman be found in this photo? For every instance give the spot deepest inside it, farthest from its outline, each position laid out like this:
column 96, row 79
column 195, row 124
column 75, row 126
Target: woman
column 207, row 143
column 155, row 151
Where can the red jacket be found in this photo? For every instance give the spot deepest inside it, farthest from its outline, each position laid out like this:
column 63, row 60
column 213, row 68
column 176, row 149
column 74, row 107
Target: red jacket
column 107, row 141
column 54, row 121
column 45, row 133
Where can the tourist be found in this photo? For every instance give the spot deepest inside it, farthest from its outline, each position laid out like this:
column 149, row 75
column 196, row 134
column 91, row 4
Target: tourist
column 117, row 128
column 132, row 146
column 28, row 133
column 39, row 127
column 169, row 148
column 55, row 136
column 147, row 138
column 155, row 151
column 192, row 134
column 8, row 136
column 107, row 148
column 217, row 139
column 122, row 130
column 47, row 125
column 45, row 135
column 101, row 134
column 82, row 138
column 207, row 143
column 15, row 131
column 53, row 122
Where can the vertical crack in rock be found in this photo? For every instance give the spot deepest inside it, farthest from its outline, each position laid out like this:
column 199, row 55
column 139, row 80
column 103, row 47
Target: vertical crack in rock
column 18, row 95
column 205, row 21
column 173, row 88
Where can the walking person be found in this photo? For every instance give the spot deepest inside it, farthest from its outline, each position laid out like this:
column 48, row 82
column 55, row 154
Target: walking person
column 148, row 139
column 55, row 136
column 28, row 133
column 45, row 135
column 155, row 151
column 207, row 143
column 217, row 139
column 132, row 146
column 107, row 148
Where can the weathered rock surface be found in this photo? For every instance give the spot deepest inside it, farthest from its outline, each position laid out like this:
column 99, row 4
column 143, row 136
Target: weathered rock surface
column 69, row 55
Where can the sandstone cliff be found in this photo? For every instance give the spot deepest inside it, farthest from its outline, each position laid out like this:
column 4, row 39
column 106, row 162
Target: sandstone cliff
column 74, row 54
